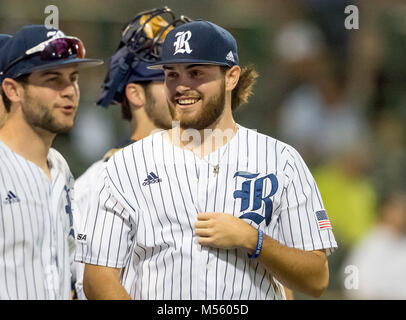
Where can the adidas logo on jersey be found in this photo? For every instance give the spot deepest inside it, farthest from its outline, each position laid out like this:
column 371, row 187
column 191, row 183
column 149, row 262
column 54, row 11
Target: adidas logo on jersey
column 11, row 198
column 151, row 178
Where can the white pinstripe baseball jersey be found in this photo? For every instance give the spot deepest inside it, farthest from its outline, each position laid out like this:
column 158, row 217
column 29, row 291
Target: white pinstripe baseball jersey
column 36, row 228
column 145, row 205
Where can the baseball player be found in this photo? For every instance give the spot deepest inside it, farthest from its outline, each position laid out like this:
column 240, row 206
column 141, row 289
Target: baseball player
column 39, row 79
column 208, row 209
column 3, row 39
column 140, row 92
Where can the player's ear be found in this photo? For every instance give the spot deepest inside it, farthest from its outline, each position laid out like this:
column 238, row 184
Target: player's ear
column 135, row 94
column 231, row 77
column 13, row 90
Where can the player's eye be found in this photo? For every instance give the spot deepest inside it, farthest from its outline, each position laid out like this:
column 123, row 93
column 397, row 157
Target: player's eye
column 196, row 73
column 74, row 78
column 52, row 79
column 171, row 75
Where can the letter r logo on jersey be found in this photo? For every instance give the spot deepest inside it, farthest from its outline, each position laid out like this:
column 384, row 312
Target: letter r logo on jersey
column 257, row 199
column 182, row 42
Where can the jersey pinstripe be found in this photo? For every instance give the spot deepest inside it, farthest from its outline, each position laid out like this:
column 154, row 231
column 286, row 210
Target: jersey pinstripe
column 36, row 228
column 145, row 204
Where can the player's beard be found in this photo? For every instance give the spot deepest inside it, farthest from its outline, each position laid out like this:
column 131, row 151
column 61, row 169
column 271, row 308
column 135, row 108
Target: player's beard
column 40, row 116
column 208, row 115
column 155, row 111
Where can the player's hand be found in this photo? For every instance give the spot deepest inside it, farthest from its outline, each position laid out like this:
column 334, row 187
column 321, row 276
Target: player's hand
column 222, row 230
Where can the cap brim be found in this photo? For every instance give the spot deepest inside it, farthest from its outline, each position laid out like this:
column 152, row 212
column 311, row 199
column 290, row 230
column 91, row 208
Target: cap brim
column 161, row 64
column 81, row 63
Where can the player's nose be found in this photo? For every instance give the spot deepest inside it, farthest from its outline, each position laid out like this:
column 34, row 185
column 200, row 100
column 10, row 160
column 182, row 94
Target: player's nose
column 183, row 82
column 69, row 90
column 182, row 89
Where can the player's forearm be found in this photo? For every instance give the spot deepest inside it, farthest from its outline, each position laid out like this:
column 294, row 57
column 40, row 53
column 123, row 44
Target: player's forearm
column 103, row 283
column 304, row 271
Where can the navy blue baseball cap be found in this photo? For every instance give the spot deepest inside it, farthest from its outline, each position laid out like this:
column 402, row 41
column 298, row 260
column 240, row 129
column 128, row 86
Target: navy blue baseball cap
column 200, row 42
column 125, row 68
column 37, row 47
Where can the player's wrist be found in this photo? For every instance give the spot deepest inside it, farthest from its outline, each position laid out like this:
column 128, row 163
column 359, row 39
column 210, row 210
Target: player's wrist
column 249, row 241
column 259, row 244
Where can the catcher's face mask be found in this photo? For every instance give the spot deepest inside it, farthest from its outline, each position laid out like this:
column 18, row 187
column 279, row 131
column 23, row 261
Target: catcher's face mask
column 140, row 46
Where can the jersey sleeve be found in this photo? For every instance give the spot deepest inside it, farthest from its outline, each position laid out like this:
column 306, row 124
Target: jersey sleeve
column 71, row 226
column 303, row 220
column 108, row 228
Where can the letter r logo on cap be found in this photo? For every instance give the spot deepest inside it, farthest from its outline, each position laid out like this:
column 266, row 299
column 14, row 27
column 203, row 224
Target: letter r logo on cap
column 182, row 42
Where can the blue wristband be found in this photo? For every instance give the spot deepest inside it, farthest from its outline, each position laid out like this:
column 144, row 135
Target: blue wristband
column 259, row 245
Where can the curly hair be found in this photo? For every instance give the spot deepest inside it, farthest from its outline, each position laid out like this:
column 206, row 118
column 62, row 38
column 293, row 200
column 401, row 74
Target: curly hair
column 244, row 87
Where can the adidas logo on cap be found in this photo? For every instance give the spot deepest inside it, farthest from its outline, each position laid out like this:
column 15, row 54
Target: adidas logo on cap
column 230, row 56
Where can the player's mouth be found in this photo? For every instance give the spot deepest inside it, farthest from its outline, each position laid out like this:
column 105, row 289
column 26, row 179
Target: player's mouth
column 186, row 102
column 69, row 109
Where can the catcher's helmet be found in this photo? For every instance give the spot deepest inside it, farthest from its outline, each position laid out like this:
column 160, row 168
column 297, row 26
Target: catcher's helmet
column 139, row 47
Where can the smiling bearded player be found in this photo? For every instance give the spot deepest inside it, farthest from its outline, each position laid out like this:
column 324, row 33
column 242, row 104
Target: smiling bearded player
column 234, row 219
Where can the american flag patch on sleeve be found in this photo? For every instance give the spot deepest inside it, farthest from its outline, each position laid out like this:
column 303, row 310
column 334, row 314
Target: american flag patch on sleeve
column 322, row 220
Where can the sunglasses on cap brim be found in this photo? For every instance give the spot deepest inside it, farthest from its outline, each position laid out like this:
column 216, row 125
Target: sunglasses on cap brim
column 53, row 49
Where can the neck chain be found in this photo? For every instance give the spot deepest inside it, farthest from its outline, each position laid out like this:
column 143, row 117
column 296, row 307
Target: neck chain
column 216, row 167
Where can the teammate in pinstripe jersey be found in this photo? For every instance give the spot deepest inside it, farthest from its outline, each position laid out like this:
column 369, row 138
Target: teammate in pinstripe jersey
column 208, row 209
column 141, row 94
column 39, row 77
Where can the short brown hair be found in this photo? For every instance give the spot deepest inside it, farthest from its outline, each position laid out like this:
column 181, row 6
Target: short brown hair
column 244, row 87
column 6, row 101
column 125, row 104
column 126, row 109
